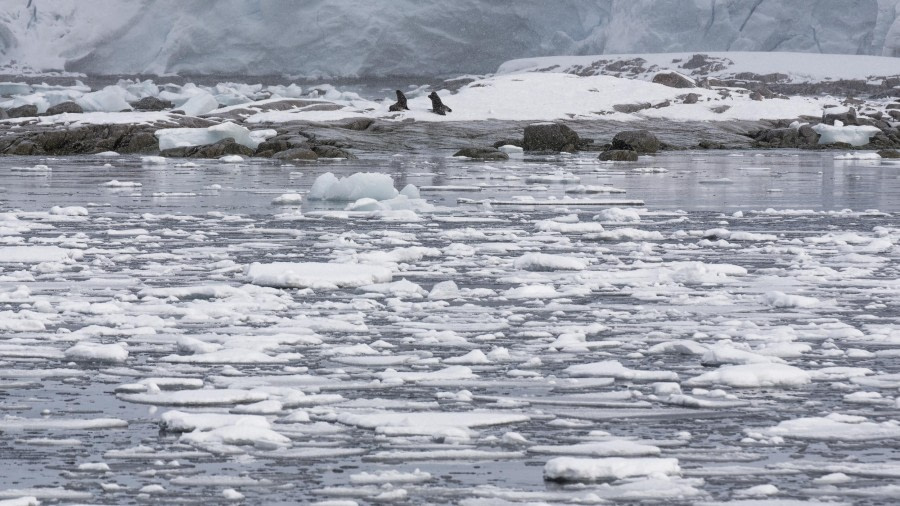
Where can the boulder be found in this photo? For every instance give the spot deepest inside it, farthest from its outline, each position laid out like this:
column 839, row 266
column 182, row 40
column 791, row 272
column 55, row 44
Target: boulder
column 152, row 104
column 631, row 108
column 549, row 137
column 801, row 137
column 23, row 111
column 848, row 118
column 482, row 153
column 296, row 154
column 690, row 98
column 674, row 80
column 358, row 124
column 619, row 155
column 895, row 114
column 641, row 141
column 280, row 143
column 3, row 114
column 508, row 142
column 67, row 107
column 889, row 153
column 223, row 147
column 325, row 151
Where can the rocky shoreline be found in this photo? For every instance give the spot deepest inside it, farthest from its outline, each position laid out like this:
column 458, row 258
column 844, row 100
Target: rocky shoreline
column 308, row 141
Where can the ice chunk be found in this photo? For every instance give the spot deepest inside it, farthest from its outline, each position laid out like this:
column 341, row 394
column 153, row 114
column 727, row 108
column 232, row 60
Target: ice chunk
column 858, row 156
column 614, row 369
column 316, row 275
column 109, row 99
column 201, row 103
column 288, row 199
column 545, row 262
column 38, row 254
column 618, row 215
column 184, row 137
column 97, row 352
column 613, row 468
column 853, row 135
column 360, row 185
column 836, row 427
column 754, row 376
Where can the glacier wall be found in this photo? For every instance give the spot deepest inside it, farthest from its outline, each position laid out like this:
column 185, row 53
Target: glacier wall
column 320, row 38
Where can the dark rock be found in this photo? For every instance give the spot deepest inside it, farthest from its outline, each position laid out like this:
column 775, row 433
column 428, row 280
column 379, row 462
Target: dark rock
column 549, row 137
column 848, row 118
column 325, row 151
column 755, row 95
column 152, row 104
column 875, row 115
column 358, row 124
column 631, row 108
column 25, row 148
column 67, row 107
column 641, row 141
column 508, row 142
column 707, row 144
column 673, row 80
column 23, row 111
column 482, row 153
column 895, row 114
column 803, row 137
column 216, row 150
column 719, row 109
column 297, row 154
column 690, row 98
column 809, row 136
column 889, row 153
column 893, row 106
column 619, row 155
column 3, row 114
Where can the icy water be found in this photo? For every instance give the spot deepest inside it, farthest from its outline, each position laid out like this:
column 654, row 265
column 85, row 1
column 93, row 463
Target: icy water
column 736, row 338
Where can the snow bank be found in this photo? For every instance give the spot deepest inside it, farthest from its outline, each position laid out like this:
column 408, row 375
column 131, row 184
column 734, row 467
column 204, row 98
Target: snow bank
column 613, row 468
column 316, row 275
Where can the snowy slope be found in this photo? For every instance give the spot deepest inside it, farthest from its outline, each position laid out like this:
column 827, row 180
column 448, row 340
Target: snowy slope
column 415, row 37
column 795, row 67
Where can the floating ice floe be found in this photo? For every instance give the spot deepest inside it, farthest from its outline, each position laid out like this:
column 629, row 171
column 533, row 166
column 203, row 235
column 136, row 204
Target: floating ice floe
column 316, row 275
column 758, row 375
column 606, row 469
column 835, row 427
column 37, row 254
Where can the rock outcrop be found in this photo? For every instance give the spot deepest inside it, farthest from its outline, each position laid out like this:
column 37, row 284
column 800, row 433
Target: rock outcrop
column 482, row 154
column 549, row 137
column 641, row 141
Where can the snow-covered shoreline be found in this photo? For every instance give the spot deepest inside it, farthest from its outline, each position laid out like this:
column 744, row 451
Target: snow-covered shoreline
column 718, row 88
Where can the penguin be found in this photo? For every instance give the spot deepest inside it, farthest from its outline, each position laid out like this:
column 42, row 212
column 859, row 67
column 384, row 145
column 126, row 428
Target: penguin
column 437, row 106
column 400, row 105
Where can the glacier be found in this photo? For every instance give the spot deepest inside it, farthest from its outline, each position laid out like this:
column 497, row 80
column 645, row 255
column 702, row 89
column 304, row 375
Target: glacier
column 356, row 38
